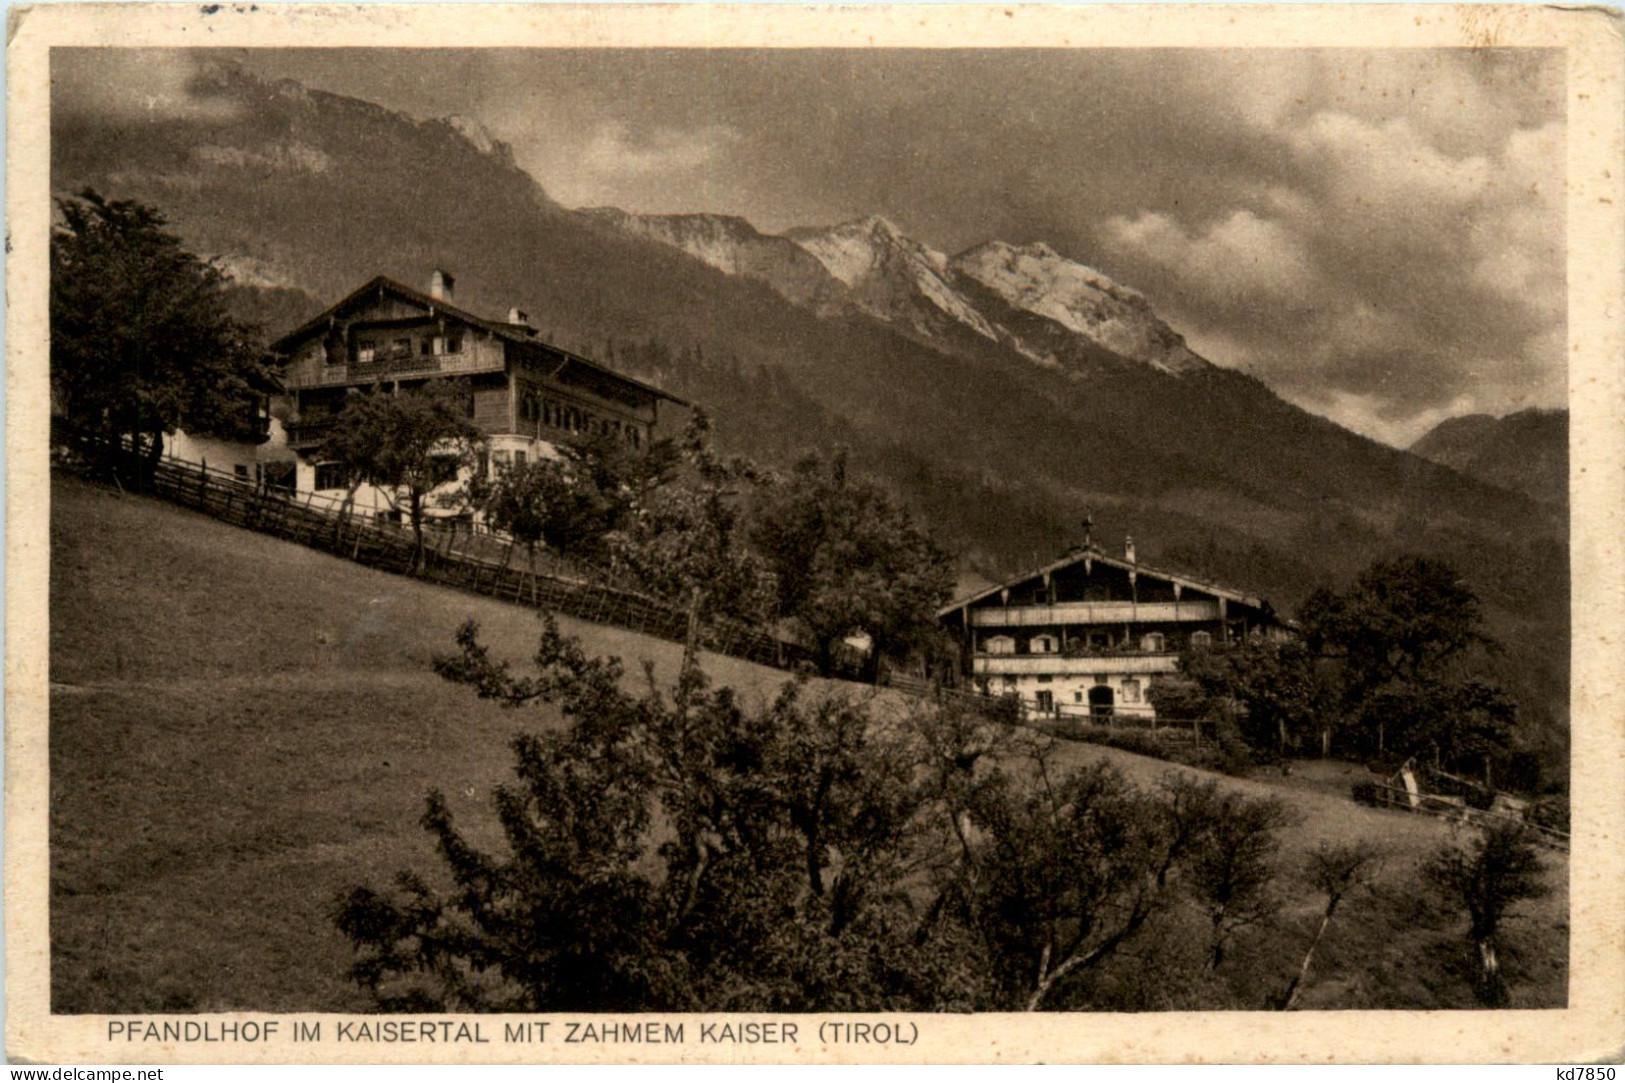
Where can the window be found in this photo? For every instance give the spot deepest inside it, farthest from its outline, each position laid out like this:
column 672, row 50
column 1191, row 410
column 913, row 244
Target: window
column 454, row 344
column 329, row 476
column 634, row 436
column 1201, row 641
column 365, row 351
column 1131, row 691
column 1045, row 644
column 1077, row 697
column 442, row 468
column 403, row 347
column 1045, row 678
column 1153, row 642
column 442, row 344
column 999, row 645
column 241, row 470
column 529, row 408
column 1046, row 700
column 519, row 458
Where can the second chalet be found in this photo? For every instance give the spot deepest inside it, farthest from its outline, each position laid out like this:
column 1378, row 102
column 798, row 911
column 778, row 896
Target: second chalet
column 1088, row 634
column 527, row 396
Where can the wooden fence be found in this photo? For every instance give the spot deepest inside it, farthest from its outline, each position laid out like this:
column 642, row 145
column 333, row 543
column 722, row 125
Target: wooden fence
column 1385, row 795
column 458, row 556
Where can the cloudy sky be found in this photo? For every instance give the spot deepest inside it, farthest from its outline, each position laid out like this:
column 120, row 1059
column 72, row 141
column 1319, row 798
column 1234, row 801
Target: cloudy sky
column 1376, row 234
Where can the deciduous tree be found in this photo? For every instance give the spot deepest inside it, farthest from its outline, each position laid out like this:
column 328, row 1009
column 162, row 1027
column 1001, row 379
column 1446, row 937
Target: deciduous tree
column 849, row 560
column 142, row 342
column 670, row 850
column 1232, row 868
column 1282, row 697
column 1335, row 871
column 408, row 443
column 1489, row 878
column 685, row 539
column 1399, row 637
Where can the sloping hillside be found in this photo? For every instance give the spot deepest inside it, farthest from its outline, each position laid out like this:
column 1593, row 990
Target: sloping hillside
column 241, row 727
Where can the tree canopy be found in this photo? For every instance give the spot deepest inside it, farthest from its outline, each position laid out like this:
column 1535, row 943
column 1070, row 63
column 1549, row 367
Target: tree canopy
column 1398, row 637
column 1402, row 619
column 142, row 342
column 1281, row 696
column 1488, row 878
column 849, row 560
column 407, row 442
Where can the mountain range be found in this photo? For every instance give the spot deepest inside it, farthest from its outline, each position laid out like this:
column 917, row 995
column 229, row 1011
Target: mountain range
column 1004, row 393
column 1055, row 312
column 1527, row 452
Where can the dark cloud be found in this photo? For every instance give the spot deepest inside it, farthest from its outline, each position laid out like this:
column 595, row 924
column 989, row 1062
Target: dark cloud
column 1378, row 234
column 130, row 85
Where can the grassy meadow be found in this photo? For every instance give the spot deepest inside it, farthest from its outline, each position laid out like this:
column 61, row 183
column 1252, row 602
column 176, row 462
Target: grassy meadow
column 240, row 728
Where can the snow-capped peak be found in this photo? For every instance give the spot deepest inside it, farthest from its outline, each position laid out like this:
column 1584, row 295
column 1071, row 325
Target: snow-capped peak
column 1078, row 297
column 1037, row 267
column 890, row 273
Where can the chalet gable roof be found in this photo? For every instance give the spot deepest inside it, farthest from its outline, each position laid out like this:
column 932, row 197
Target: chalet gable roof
column 1078, row 554
column 382, row 285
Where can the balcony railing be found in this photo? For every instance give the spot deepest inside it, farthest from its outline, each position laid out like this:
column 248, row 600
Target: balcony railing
column 402, row 366
column 1060, row 665
column 308, row 432
column 1065, row 613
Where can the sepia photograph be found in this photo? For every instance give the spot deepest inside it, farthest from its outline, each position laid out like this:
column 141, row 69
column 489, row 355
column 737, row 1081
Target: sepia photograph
column 599, row 548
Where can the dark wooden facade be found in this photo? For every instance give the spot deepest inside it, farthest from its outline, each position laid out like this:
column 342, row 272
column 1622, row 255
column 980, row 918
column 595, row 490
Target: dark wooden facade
column 1089, row 633
column 528, row 396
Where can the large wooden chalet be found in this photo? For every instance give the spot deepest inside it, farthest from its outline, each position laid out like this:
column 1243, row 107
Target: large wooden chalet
column 1088, row 633
column 528, row 397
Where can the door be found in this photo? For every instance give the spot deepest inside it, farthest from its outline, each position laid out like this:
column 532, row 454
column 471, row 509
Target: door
column 1100, row 701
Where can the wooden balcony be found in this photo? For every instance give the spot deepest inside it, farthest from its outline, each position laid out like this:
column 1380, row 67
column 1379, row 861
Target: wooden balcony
column 1126, row 662
column 404, row 367
column 305, row 434
column 1085, row 613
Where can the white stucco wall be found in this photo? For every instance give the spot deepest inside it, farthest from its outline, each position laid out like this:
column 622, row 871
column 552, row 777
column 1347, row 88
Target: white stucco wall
column 370, row 500
column 1071, row 693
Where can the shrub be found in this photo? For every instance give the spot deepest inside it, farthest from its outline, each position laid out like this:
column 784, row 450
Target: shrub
column 1234, row 755
column 1488, row 879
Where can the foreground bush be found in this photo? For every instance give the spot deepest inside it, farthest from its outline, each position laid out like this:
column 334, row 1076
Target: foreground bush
column 679, row 851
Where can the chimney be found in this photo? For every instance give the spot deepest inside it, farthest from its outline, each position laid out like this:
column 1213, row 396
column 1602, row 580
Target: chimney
column 519, row 316
column 442, row 286
column 1128, row 549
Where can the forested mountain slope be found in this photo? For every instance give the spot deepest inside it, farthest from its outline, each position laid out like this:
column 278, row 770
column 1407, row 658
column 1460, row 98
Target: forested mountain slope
column 1003, row 455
